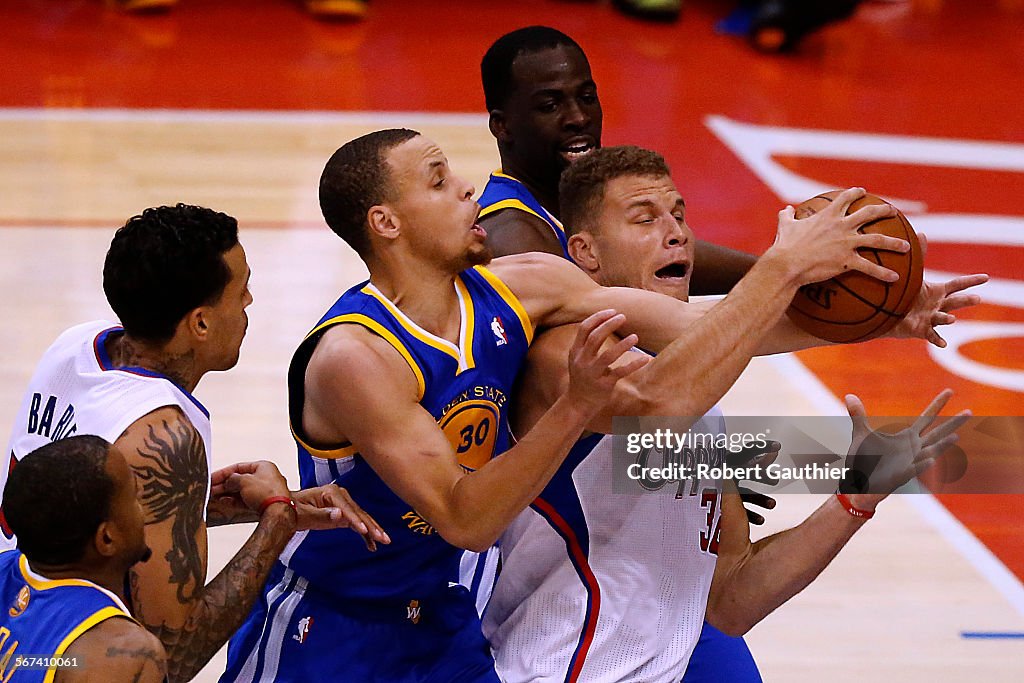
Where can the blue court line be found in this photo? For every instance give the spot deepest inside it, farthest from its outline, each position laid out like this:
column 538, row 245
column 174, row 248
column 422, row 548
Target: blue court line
column 992, row 635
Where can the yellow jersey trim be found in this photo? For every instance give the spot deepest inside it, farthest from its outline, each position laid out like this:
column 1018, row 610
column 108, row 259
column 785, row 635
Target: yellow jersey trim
column 517, row 204
column 442, row 345
column 90, row 621
column 46, row 584
column 387, row 335
column 505, row 293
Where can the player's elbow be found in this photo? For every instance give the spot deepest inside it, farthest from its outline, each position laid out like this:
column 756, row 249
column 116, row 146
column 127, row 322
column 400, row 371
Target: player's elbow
column 731, row 622
column 465, row 537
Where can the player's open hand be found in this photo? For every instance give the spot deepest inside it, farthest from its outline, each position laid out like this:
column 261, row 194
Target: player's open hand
column 331, row 507
column 880, row 462
column 596, row 363
column 825, row 244
column 935, row 303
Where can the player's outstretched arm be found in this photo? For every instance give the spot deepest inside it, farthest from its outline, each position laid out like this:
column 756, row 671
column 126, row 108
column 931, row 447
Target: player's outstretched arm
column 511, row 231
column 753, row 579
column 369, row 393
column 169, row 597
column 553, row 292
column 717, row 269
column 115, row 651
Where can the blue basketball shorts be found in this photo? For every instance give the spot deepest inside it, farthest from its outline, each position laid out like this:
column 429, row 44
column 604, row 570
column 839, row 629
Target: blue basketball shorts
column 297, row 633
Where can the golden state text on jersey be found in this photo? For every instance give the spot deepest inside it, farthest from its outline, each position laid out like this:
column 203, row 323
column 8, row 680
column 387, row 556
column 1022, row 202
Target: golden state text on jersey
column 464, row 386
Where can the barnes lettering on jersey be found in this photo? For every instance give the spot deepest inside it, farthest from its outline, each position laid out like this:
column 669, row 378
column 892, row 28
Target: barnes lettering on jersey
column 41, row 421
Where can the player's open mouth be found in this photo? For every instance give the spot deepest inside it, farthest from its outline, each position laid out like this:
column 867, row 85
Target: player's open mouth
column 577, row 148
column 672, row 271
column 477, row 230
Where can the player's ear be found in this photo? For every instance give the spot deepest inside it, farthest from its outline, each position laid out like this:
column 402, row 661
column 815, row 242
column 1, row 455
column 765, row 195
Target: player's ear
column 383, row 222
column 106, row 539
column 496, row 122
column 584, row 251
column 196, row 322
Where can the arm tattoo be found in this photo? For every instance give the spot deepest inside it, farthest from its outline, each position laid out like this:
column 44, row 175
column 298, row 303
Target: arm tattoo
column 225, row 602
column 142, row 655
column 173, row 477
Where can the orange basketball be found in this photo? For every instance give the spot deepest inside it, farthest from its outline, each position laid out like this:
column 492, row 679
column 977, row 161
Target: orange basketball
column 852, row 306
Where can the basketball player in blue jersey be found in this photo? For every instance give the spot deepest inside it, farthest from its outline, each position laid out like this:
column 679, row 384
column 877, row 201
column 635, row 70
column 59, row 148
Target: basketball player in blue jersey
column 79, row 524
column 545, row 112
column 401, row 392
column 603, row 587
column 177, row 279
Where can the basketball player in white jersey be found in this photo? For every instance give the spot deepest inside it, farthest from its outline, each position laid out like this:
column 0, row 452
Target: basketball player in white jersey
column 602, row 587
column 177, row 279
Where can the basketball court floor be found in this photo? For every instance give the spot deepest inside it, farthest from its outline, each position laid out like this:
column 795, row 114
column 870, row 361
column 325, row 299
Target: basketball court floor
column 237, row 105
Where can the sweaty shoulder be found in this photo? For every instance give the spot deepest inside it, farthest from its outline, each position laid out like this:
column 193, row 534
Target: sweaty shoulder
column 512, row 231
column 114, row 650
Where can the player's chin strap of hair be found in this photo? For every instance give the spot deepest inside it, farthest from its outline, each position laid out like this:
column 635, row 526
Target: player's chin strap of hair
column 854, row 511
column 276, row 499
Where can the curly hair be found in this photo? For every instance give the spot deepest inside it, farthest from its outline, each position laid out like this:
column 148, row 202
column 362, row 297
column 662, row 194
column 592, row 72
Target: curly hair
column 164, row 263
column 581, row 188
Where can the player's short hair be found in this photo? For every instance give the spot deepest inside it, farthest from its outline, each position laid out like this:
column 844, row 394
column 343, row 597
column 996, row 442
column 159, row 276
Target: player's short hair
column 57, row 496
column 496, row 66
column 357, row 177
column 164, row 263
column 581, row 188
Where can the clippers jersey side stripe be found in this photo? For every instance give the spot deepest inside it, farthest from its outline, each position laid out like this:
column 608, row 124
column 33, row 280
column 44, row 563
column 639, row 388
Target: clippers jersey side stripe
column 578, row 558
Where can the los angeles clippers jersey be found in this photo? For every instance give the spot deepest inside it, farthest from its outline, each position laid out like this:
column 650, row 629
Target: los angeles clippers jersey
column 465, row 387
column 44, row 617
column 76, row 390
column 505, row 192
column 604, row 586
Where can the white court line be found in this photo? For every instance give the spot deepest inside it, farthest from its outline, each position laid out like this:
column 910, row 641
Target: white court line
column 375, row 118
column 933, row 512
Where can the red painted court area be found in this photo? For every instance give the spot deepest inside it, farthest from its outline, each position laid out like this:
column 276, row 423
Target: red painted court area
column 924, row 69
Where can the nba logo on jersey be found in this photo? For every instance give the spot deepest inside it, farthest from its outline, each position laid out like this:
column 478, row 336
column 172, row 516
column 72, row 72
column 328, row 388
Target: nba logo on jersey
column 499, row 332
column 304, row 624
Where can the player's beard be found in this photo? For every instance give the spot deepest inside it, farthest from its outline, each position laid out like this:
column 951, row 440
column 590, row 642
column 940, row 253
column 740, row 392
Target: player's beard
column 476, row 255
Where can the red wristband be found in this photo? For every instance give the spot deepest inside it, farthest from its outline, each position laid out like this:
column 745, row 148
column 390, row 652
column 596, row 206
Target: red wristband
column 854, row 511
column 276, row 499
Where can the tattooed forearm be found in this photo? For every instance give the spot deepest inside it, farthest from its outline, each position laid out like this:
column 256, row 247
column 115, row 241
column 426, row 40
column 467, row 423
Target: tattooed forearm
column 226, row 601
column 173, row 477
column 220, row 514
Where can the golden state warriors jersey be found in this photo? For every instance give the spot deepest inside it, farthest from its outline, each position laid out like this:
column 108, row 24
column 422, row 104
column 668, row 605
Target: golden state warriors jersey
column 464, row 386
column 505, row 192
column 41, row 618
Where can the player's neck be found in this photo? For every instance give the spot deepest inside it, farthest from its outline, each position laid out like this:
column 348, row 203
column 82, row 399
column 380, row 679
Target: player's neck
column 424, row 293
column 111, row 578
column 544, row 190
column 178, row 365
